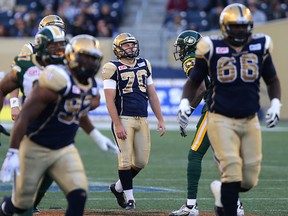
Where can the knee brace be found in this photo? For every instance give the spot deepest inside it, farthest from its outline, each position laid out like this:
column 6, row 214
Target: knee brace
column 76, row 202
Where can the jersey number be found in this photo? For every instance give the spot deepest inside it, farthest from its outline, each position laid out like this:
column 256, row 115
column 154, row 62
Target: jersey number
column 130, row 76
column 227, row 71
column 74, row 109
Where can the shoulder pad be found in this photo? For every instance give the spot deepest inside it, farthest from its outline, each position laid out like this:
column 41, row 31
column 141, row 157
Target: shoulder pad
column 108, row 70
column 268, row 44
column 268, row 41
column 54, row 77
column 27, row 49
column 203, row 46
column 217, row 37
column 257, row 35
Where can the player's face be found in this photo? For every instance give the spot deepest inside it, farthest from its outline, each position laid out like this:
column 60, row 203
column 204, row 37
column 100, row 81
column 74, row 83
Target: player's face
column 87, row 61
column 129, row 48
column 239, row 31
column 56, row 48
column 238, row 27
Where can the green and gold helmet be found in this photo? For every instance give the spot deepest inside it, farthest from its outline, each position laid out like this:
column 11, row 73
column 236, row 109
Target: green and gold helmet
column 50, row 44
column 185, row 44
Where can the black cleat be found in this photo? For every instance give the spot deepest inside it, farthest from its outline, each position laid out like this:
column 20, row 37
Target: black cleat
column 219, row 211
column 130, row 205
column 119, row 196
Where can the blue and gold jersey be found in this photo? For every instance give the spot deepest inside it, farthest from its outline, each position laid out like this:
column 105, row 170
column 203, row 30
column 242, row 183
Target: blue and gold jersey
column 235, row 75
column 131, row 86
column 57, row 125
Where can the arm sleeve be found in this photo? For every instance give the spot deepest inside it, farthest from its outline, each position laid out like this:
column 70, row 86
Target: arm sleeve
column 200, row 70
column 269, row 70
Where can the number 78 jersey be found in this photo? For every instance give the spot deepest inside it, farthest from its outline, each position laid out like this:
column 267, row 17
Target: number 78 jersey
column 130, row 82
column 235, row 75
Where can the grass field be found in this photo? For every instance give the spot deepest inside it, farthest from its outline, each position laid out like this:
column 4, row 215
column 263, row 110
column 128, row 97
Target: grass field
column 162, row 184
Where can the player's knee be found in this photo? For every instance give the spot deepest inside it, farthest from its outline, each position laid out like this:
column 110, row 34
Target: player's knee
column 79, row 194
column 195, row 156
column 232, row 172
column 141, row 164
column 250, row 176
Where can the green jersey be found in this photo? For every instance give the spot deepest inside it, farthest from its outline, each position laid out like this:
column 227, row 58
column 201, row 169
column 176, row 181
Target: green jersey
column 187, row 64
column 27, row 69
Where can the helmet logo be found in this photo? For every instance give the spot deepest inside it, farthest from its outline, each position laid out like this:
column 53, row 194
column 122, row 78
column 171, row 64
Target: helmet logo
column 189, row 40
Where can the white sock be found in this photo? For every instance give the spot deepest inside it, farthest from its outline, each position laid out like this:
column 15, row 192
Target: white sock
column 238, row 202
column 191, row 202
column 118, row 186
column 129, row 194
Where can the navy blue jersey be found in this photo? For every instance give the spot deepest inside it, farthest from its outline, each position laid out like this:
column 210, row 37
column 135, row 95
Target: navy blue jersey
column 131, row 90
column 235, row 76
column 57, row 125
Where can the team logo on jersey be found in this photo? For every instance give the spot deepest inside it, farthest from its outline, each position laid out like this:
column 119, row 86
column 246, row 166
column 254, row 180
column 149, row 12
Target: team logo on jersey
column 122, row 67
column 222, row 50
column 75, row 89
column 33, row 71
column 141, row 64
column 254, row 47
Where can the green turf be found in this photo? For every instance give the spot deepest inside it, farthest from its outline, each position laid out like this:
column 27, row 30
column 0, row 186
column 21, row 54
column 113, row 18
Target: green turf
column 167, row 170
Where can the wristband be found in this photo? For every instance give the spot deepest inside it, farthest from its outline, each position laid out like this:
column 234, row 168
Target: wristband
column 14, row 102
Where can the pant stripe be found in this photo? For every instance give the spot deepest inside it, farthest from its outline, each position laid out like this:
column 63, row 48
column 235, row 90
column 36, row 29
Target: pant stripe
column 201, row 131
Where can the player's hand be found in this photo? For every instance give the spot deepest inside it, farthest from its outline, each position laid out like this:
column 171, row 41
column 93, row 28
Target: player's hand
column 104, row 143
column 184, row 111
column 4, row 131
column 14, row 113
column 10, row 166
column 273, row 113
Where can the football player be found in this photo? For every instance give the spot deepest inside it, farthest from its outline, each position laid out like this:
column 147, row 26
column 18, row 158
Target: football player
column 49, row 45
column 185, row 47
column 235, row 62
column 46, row 129
column 28, row 49
column 128, row 86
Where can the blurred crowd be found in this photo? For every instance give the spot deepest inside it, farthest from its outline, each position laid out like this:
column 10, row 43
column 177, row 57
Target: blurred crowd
column 203, row 15
column 100, row 18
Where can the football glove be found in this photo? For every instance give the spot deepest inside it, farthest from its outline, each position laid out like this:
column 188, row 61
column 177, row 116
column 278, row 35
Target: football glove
column 10, row 166
column 184, row 111
column 4, row 131
column 104, row 143
column 273, row 113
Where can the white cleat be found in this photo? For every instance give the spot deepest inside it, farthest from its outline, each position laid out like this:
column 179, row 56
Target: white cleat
column 186, row 211
column 240, row 209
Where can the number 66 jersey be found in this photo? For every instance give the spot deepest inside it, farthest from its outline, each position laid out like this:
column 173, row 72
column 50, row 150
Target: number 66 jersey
column 235, row 73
